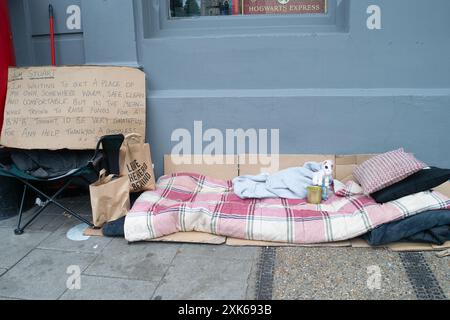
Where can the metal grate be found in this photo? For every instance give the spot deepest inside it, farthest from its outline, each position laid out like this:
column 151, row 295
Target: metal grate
column 264, row 285
column 424, row 283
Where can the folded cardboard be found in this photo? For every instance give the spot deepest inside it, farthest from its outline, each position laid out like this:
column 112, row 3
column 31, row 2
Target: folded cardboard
column 344, row 172
column 343, row 169
column 441, row 247
column 192, row 237
column 444, row 189
column 93, row 232
column 184, row 237
column 206, row 238
column 254, row 243
column 345, row 159
column 361, row 243
column 255, row 164
column 226, row 169
column 345, row 164
column 401, row 246
column 406, row 246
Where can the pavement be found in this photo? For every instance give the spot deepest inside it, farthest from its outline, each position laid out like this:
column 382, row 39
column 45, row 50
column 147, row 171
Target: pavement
column 44, row 263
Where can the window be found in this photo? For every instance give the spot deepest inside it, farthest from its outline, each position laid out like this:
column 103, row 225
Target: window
column 209, row 18
column 193, row 8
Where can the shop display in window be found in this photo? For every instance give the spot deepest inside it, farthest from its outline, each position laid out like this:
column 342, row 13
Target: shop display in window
column 192, row 8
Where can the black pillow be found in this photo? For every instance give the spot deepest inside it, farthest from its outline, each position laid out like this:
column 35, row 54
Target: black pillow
column 422, row 180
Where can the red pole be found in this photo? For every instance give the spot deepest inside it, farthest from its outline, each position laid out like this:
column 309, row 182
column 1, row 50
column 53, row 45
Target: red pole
column 235, row 8
column 7, row 57
column 52, row 34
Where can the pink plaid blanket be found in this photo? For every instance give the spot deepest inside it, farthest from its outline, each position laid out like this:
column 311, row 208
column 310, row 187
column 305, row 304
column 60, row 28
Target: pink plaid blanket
column 191, row 202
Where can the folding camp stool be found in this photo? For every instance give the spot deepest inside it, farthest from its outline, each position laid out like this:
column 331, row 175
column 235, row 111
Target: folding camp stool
column 106, row 156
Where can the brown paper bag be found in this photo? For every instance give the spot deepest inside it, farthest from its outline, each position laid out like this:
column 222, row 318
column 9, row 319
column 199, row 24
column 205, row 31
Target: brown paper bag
column 135, row 161
column 110, row 198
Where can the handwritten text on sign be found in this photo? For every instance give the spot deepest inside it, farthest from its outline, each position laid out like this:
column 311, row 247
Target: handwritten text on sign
column 72, row 107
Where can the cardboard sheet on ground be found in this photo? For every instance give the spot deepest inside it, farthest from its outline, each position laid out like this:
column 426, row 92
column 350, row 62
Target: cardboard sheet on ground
column 343, row 171
column 206, row 238
column 192, row 237
column 183, row 237
column 344, row 167
column 252, row 243
column 72, row 107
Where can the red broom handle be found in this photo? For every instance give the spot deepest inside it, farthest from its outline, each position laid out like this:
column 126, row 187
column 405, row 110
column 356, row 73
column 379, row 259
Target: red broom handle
column 52, row 34
column 235, row 7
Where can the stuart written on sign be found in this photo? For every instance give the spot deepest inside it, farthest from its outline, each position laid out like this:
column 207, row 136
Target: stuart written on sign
column 72, row 107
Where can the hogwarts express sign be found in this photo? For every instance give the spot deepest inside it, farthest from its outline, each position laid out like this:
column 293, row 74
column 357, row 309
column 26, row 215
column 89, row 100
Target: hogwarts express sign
column 283, row 6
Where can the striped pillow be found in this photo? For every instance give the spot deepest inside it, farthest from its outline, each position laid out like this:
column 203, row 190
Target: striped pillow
column 386, row 169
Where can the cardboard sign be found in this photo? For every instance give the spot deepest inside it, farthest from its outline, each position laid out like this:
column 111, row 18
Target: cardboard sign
column 284, row 6
column 72, row 107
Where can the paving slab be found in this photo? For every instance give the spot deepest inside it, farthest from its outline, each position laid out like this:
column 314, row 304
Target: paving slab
column 219, row 251
column 7, row 299
column 139, row 261
column 42, row 274
column 11, row 222
column 441, row 270
column 104, row 288
column 201, row 278
column 339, row 273
column 49, row 223
column 44, row 222
column 58, row 240
column 81, row 205
column 114, row 269
column 13, row 247
column 82, row 202
column 50, row 220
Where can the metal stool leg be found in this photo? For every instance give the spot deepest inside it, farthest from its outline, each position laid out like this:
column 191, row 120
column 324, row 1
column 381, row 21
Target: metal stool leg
column 19, row 230
column 52, row 199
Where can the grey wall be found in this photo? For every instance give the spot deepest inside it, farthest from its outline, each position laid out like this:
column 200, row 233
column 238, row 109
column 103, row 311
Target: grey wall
column 409, row 52
column 30, row 27
column 109, row 33
column 355, row 90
